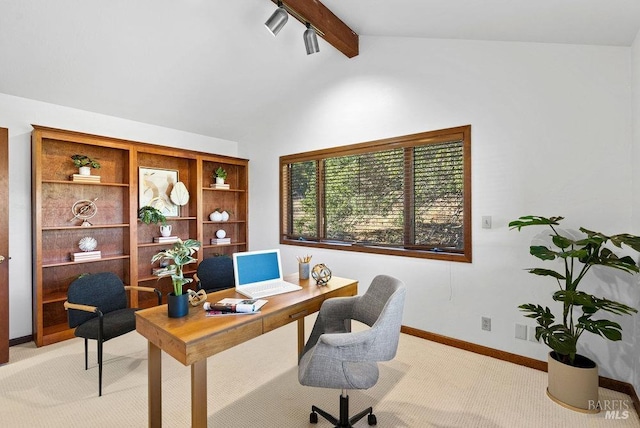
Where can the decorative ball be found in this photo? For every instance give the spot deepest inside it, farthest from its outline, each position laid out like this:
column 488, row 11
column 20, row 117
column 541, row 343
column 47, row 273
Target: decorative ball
column 321, row 274
column 88, row 243
column 221, row 233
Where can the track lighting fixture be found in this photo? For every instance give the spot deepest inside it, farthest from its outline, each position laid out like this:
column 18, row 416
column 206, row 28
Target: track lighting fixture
column 277, row 20
column 310, row 40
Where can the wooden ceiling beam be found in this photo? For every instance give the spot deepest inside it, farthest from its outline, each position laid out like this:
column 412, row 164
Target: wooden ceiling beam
column 327, row 25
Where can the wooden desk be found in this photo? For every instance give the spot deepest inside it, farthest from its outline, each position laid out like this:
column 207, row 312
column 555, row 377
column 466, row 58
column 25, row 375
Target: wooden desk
column 195, row 337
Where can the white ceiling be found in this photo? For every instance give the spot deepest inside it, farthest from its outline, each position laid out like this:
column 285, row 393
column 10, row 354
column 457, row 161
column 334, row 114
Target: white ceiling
column 210, row 67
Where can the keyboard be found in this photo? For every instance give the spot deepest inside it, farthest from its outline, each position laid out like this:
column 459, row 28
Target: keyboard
column 269, row 289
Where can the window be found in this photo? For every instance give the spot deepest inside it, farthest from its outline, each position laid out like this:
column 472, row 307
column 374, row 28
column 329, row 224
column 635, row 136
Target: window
column 408, row 196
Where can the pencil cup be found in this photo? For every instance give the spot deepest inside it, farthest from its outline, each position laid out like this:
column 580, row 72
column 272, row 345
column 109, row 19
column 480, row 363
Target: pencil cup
column 303, row 270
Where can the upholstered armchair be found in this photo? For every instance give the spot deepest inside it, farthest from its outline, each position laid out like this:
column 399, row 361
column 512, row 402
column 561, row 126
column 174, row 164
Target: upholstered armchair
column 98, row 310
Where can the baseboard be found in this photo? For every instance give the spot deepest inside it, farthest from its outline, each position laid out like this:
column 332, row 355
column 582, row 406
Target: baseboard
column 20, row 340
column 604, row 382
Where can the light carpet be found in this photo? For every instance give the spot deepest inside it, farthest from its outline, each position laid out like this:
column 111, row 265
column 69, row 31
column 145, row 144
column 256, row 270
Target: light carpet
column 255, row 385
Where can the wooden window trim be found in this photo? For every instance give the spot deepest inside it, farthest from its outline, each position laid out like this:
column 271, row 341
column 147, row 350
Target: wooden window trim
column 462, row 133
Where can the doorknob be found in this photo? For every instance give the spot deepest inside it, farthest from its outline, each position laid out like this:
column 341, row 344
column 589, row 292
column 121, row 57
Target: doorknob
column 1, row 259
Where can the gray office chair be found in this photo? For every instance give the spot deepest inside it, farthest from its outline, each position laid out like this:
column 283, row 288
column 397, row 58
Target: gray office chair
column 335, row 357
column 215, row 273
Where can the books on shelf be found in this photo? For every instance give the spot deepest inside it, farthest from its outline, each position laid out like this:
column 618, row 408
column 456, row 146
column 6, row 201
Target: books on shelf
column 219, row 186
column 165, row 239
column 220, row 241
column 86, row 255
column 86, row 178
column 230, row 306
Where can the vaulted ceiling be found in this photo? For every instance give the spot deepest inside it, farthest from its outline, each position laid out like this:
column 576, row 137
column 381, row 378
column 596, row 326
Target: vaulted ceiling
column 210, row 67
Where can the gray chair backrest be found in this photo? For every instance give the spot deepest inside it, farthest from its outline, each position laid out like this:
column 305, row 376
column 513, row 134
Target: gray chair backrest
column 103, row 290
column 381, row 308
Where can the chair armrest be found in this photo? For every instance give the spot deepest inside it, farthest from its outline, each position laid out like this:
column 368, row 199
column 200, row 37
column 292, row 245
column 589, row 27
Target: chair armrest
column 335, row 314
column 135, row 287
column 148, row 289
column 344, row 340
column 79, row 307
column 346, row 346
column 334, row 317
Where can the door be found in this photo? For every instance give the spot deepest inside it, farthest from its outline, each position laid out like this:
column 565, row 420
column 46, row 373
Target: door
column 4, row 245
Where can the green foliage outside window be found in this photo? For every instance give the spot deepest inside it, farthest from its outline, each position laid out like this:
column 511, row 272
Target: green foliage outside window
column 412, row 198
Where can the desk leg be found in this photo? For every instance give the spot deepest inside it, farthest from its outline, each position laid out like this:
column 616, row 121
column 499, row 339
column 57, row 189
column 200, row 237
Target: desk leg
column 199, row 394
column 300, row 336
column 155, row 386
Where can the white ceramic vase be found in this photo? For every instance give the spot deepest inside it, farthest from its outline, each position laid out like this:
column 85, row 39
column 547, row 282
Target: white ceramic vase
column 225, row 216
column 165, row 230
column 215, row 216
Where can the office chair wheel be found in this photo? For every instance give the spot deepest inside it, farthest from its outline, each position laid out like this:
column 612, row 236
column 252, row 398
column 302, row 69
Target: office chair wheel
column 313, row 418
column 371, row 419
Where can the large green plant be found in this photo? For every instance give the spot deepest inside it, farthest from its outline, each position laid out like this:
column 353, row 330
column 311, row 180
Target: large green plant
column 578, row 307
column 181, row 253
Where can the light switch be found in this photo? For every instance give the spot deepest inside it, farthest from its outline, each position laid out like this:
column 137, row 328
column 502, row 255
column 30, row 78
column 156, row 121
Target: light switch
column 486, row 222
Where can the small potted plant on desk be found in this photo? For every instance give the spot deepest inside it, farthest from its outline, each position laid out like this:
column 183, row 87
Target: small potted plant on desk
column 84, row 164
column 573, row 378
column 181, row 253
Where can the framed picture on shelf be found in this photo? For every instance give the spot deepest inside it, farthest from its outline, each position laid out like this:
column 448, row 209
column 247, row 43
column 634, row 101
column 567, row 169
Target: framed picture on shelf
column 155, row 189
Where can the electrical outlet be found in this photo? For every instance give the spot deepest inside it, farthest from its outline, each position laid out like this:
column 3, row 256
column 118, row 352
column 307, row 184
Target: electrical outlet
column 486, row 323
column 521, row 331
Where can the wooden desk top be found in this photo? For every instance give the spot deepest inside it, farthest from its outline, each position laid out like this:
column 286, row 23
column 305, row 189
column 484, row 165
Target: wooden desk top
column 196, row 336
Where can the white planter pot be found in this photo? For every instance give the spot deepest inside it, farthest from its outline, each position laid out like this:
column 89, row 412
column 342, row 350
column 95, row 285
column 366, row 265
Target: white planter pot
column 84, row 170
column 165, row 230
column 219, row 180
column 575, row 388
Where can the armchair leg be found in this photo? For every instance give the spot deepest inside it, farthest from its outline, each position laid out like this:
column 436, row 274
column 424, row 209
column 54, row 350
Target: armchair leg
column 86, row 353
column 100, row 368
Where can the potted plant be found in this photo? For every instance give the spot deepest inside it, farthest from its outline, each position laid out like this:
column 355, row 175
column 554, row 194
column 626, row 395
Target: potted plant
column 84, row 164
column 181, row 253
column 220, row 175
column 579, row 308
column 149, row 214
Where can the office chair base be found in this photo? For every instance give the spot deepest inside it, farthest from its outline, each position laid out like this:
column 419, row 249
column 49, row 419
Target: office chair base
column 344, row 421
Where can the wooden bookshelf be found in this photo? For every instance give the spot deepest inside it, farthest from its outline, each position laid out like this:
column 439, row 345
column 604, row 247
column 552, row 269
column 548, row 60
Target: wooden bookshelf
column 126, row 244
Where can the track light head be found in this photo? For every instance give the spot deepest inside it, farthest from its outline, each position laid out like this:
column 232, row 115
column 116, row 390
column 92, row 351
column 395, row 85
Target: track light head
column 277, row 20
column 311, row 40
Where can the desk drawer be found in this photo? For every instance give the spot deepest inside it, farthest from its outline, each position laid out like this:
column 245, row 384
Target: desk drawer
column 290, row 314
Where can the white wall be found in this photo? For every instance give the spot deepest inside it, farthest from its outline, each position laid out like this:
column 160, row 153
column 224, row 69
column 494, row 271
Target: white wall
column 635, row 58
column 18, row 114
column 551, row 135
